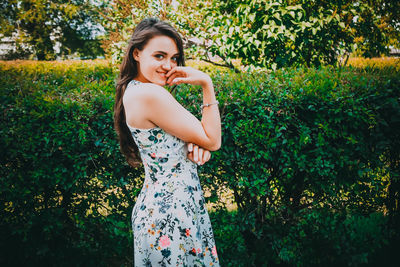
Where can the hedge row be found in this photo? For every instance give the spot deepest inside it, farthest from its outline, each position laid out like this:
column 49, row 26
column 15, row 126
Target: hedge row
column 310, row 156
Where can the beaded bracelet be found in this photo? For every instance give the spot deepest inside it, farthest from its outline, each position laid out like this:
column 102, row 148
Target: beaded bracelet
column 207, row 105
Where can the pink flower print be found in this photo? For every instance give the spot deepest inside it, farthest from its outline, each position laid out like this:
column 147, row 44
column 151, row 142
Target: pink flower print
column 153, row 155
column 199, row 250
column 214, row 251
column 165, row 241
column 187, row 232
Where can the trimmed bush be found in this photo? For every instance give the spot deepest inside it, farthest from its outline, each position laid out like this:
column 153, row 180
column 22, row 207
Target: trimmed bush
column 66, row 191
column 310, row 156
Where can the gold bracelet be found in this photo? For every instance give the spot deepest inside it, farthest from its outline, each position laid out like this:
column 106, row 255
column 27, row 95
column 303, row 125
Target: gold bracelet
column 210, row 104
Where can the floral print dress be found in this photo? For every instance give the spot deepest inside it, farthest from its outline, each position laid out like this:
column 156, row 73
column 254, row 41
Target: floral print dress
column 170, row 223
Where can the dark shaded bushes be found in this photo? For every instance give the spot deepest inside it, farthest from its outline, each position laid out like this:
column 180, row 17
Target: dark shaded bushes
column 310, row 156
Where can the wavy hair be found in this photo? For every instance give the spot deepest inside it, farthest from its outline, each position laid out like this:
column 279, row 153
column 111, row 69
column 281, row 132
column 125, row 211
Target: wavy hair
column 144, row 31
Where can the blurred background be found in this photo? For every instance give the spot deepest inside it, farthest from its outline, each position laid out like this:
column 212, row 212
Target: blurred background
column 270, row 34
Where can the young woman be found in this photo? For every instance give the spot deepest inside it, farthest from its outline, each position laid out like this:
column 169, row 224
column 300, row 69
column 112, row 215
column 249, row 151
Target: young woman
column 170, row 223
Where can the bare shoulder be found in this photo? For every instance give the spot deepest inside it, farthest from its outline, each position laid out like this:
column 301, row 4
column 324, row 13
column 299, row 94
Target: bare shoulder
column 146, row 92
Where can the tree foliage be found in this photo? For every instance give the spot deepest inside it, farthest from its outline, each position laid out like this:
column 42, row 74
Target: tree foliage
column 278, row 34
column 121, row 17
column 378, row 27
column 263, row 33
column 37, row 26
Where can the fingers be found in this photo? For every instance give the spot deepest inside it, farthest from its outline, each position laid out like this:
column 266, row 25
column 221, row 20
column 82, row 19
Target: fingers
column 179, row 81
column 206, row 156
column 200, row 159
column 190, row 147
column 179, row 74
column 197, row 154
column 190, row 156
column 171, row 78
column 178, row 70
column 174, row 73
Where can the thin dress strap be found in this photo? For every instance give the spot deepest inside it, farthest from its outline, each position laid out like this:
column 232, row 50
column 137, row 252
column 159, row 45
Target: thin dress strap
column 133, row 82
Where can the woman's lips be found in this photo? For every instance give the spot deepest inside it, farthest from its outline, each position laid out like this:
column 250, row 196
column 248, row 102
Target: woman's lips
column 162, row 76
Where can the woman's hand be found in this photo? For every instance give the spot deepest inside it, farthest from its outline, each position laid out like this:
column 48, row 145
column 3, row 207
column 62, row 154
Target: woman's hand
column 178, row 75
column 197, row 154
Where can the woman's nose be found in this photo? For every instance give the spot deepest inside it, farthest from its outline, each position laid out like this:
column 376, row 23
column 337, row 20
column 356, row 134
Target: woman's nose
column 167, row 65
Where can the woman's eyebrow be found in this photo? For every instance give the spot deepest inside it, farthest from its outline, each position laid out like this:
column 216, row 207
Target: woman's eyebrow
column 160, row 52
column 165, row 53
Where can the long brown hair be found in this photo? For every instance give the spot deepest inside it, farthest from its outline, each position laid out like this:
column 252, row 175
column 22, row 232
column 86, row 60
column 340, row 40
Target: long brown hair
column 144, row 31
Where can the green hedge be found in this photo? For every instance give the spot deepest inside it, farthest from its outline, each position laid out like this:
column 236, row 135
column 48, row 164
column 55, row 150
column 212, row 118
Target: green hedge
column 311, row 157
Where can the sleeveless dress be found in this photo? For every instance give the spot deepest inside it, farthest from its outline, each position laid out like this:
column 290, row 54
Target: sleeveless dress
column 170, row 223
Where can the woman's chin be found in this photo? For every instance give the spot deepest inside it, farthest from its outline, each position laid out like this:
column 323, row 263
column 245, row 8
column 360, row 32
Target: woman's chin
column 161, row 82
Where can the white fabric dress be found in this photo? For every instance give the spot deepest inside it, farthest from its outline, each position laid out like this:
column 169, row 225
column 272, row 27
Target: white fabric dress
column 170, row 223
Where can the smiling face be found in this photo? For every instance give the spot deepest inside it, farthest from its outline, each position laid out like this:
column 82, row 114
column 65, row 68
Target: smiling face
column 158, row 56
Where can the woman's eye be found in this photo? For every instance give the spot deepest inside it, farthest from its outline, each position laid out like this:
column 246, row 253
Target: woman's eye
column 159, row 56
column 175, row 59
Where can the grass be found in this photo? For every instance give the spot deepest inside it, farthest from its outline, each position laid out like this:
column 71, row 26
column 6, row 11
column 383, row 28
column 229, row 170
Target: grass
column 380, row 63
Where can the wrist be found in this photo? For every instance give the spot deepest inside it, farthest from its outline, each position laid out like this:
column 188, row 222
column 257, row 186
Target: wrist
column 207, row 83
column 209, row 104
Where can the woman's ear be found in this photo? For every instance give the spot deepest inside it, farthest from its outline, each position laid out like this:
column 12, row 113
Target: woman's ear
column 136, row 54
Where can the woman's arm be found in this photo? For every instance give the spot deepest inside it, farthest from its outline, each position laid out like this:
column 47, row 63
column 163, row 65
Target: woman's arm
column 164, row 111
